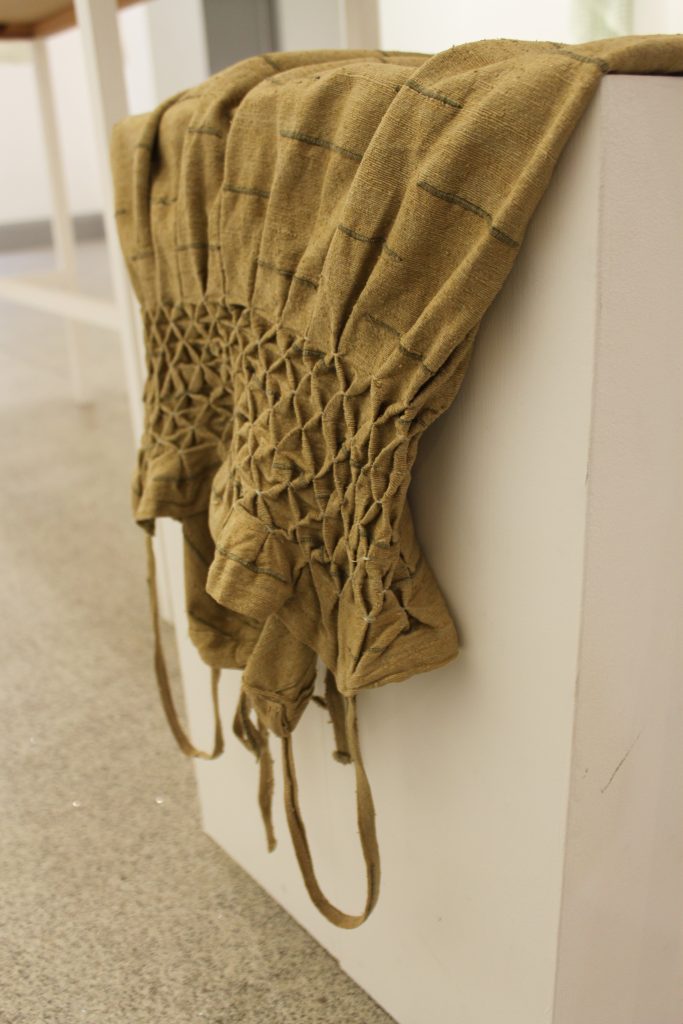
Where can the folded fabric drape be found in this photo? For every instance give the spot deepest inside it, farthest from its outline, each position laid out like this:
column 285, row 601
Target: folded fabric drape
column 314, row 239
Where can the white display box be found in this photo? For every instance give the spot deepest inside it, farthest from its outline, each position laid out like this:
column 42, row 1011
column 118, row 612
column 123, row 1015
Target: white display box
column 530, row 794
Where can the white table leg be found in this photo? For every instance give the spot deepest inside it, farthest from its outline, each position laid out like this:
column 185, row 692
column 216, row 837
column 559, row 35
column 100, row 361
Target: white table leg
column 97, row 20
column 106, row 86
column 359, row 24
column 62, row 227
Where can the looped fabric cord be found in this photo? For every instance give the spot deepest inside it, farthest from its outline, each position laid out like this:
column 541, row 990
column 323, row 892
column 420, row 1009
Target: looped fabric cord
column 255, row 738
column 161, row 671
column 366, row 827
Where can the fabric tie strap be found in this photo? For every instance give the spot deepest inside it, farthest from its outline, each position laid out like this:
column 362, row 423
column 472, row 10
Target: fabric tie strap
column 255, row 738
column 163, row 683
column 366, row 827
column 265, row 789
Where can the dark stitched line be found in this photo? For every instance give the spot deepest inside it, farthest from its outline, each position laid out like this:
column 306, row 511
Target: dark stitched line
column 312, row 140
column 406, row 351
column 416, row 356
column 143, row 254
column 244, row 190
column 602, row 64
column 211, row 626
column 307, row 351
column 371, row 238
column 287, row 273
column 177, row 504
column 190, row 476
column 197, row 245
column 432, row 95
column 356, row 655
column 381, row 323
column 295, row 333
column 502, row 237
column 451, row 197
column 299, row 78
column 401, row 53
column 120, row 212
column 164, row 200
column 250, row 565
column 205, row 131
column 384, row 86
column 270, row 61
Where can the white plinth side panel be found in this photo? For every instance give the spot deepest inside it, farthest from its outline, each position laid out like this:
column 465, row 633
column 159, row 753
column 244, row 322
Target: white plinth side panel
column 621, row 941
column 529, row 795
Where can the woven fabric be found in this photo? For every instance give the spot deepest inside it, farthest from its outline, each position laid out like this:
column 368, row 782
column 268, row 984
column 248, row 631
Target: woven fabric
column 314, row 239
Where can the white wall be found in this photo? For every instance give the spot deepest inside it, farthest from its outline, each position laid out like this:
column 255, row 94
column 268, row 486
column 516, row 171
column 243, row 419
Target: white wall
column 303, row 26
column 164, row 51
column 434, row 25
column 23, row 183
column 657, row 16
column 176, row 38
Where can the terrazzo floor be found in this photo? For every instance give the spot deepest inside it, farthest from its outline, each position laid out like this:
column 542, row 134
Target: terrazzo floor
column 115, row 908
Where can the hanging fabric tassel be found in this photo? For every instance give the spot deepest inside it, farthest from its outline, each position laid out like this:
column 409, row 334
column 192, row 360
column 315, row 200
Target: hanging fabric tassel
column 265, row 790
column 244, row 729
column 163, row 683
column 255, row 739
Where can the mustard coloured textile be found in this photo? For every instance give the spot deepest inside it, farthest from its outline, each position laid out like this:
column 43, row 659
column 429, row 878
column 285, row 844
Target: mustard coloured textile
column 314, row 239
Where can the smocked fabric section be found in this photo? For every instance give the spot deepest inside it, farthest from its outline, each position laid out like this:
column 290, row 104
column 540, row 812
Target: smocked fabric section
column 188, row 409
column 305, row 492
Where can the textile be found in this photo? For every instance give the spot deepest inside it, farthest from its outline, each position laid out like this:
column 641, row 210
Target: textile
column 314, row 239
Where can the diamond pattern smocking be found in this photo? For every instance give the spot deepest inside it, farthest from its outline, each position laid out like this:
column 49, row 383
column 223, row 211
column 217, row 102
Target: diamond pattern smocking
column 284, row 420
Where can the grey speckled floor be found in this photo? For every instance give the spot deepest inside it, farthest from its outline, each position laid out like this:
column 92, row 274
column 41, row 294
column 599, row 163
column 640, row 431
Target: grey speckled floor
column 114, row 907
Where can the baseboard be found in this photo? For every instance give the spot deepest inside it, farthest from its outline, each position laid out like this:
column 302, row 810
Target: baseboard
column 36, row 234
